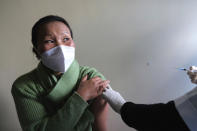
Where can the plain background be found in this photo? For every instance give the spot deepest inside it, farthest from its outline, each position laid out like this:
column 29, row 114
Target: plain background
column 136, row 44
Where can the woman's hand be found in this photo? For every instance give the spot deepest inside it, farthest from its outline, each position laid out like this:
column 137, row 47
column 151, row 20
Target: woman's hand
column 193, row 74
column 89, row 89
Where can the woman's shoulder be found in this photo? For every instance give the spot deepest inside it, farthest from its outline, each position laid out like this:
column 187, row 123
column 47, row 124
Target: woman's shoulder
column 90, row 71
column 85, row 68
column 24, row 81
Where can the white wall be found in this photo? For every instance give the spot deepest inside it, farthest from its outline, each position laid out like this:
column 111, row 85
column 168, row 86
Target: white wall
column 137, row 44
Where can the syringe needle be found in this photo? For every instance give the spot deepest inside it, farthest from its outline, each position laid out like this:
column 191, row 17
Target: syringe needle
column 183, row 69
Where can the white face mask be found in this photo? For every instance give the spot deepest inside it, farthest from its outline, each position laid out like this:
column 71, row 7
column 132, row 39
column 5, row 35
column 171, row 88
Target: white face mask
column 58, row 58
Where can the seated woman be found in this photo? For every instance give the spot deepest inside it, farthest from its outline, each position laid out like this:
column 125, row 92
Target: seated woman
column 59, row 94
column 176, row 115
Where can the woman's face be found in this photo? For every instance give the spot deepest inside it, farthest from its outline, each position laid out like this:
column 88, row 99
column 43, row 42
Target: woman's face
column 53, row 34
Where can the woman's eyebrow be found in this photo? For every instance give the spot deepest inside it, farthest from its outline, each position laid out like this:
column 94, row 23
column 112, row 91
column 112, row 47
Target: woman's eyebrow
column 47, row 34
column 62, row 34
column 65, row 33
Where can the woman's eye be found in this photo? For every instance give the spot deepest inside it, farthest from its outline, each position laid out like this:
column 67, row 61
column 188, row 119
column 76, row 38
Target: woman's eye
column 49, row 41
column 66, row 39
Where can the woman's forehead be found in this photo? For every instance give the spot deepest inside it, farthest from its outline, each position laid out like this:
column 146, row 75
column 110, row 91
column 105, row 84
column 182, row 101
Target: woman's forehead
column 54, row 27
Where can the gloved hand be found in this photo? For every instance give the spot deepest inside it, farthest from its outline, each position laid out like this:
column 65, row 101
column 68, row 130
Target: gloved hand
column 193, row 74
column 114, row 99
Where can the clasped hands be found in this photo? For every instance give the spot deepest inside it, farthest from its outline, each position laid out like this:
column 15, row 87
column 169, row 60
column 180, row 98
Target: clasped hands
column 92, row 88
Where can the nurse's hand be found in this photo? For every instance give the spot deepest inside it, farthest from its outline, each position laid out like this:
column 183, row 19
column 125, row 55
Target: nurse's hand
column 90, row 89
column 193, row 74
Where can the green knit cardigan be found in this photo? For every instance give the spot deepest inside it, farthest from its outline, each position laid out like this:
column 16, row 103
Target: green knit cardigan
column 45, row 102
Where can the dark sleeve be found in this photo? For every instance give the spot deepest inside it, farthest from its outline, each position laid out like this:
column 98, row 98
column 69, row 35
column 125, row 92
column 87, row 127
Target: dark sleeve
column 153, row 117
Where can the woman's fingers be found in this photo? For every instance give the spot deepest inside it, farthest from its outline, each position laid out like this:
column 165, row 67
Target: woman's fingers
column 192, row 75
column 96, row 78
column 99, row 85
column 84, row 78
column 102, row 85
column 100, row 90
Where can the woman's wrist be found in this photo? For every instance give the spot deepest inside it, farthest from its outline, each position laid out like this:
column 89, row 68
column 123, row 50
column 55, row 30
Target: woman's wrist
column 82, row 95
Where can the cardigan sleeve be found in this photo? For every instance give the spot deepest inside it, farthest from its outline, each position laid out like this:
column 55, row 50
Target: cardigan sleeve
column 154, row 117
column 34, row 117
column 91, row 72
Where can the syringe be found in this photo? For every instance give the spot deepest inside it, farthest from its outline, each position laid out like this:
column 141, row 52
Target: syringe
column 192, row 69
column 183, row 69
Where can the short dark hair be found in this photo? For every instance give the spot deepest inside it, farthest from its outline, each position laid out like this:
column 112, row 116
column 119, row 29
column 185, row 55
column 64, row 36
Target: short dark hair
column 42, row 21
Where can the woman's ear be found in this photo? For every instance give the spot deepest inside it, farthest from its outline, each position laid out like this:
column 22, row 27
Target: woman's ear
column 36, row 52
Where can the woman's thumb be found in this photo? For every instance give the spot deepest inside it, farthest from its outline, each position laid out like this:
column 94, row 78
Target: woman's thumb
column 85, row 78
